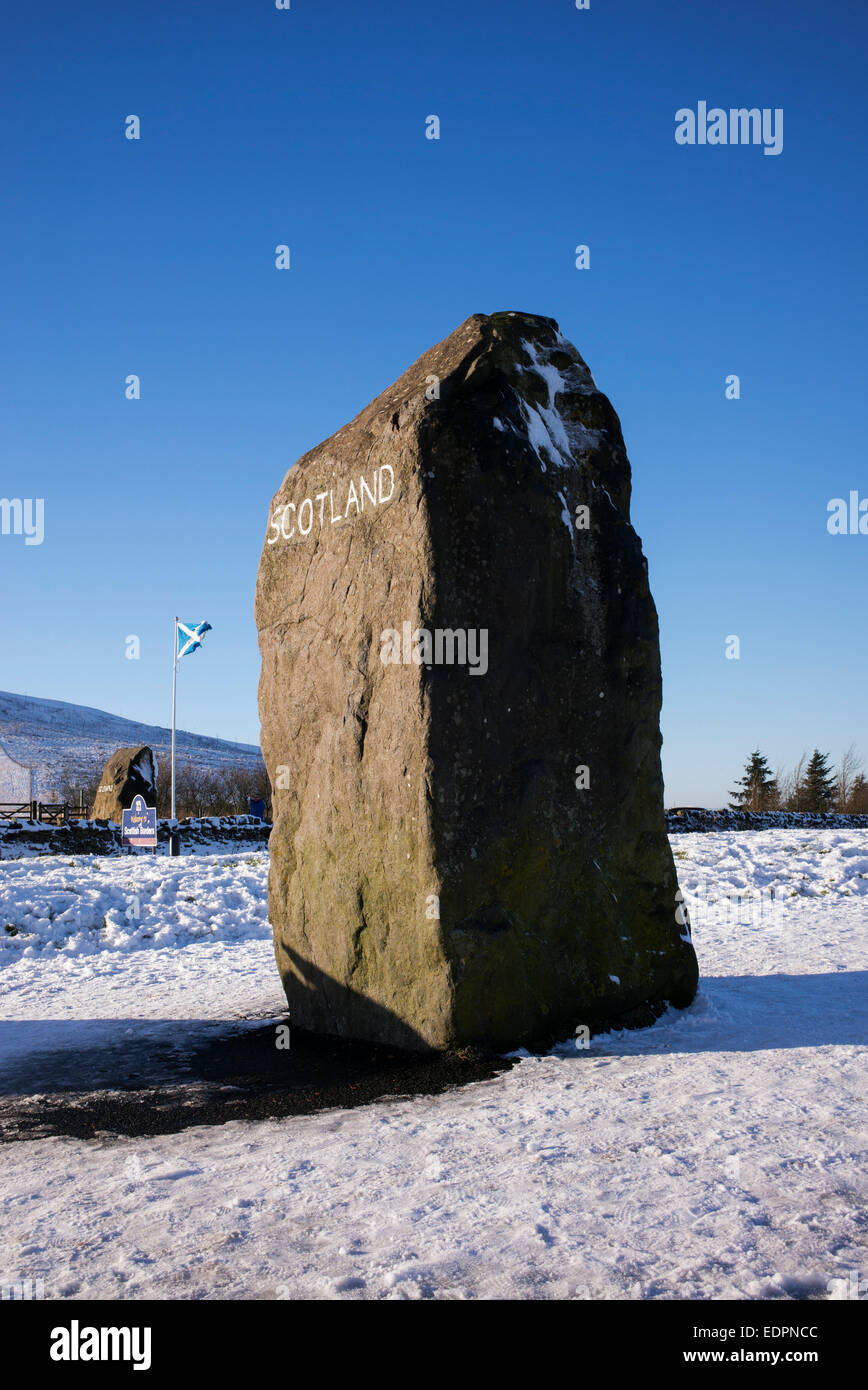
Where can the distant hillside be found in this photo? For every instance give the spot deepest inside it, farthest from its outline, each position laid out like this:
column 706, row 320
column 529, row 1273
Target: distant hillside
column 57, row 738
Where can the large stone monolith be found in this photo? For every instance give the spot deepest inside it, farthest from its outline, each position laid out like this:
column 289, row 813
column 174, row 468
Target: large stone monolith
column 129, row 772
column 460, row 699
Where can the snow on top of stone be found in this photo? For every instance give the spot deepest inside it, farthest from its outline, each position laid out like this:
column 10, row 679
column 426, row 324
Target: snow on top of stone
column 553, row 378
column 582, row 379
column 146, row 766
column 539, row 436
column 546, row 427
column 555, row 427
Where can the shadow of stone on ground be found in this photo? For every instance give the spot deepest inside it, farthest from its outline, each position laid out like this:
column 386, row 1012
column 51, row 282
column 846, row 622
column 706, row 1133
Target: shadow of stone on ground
column 242, row 1076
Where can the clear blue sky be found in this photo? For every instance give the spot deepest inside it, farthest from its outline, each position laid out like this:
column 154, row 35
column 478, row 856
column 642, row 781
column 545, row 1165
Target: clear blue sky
column 260, row 127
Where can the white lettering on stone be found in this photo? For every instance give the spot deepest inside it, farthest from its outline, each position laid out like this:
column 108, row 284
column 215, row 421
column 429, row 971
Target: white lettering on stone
column 373, row 492
column 386, row 469
column 305, row 530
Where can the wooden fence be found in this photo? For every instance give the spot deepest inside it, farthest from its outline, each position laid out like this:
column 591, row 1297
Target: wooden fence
column 48, row 812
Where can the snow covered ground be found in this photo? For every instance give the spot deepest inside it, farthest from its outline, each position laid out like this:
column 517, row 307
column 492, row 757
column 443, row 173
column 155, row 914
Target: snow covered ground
column 719, row 1154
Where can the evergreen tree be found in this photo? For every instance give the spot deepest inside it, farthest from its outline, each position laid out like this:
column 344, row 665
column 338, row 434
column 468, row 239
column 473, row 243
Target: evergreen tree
column 820, row 782
column 857, row 802
column 757, row 790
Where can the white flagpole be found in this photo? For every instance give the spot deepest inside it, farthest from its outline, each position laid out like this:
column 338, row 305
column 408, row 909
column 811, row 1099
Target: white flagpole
column 174, row 689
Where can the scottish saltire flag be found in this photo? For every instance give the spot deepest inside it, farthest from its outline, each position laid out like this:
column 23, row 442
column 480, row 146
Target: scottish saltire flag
column 190, row 636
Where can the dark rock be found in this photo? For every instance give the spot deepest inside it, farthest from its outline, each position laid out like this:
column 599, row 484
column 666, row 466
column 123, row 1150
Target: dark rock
column 438, row 878
column 129, row 772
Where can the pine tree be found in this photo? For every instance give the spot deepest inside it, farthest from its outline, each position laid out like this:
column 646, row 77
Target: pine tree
column 820, row 782
column 757, row 790
column 857, row 802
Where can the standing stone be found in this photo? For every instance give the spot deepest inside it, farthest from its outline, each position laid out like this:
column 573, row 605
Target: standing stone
column 469, row 844
column 128, row 772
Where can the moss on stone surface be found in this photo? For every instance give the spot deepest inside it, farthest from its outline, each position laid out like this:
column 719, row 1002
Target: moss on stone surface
column 556, row 906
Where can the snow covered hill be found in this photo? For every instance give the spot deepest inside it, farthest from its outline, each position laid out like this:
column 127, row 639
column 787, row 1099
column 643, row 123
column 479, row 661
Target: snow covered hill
column 53, row 736
column 719, row 1154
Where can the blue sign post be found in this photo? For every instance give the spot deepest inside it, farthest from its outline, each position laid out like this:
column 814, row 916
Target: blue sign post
column 139, row 826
